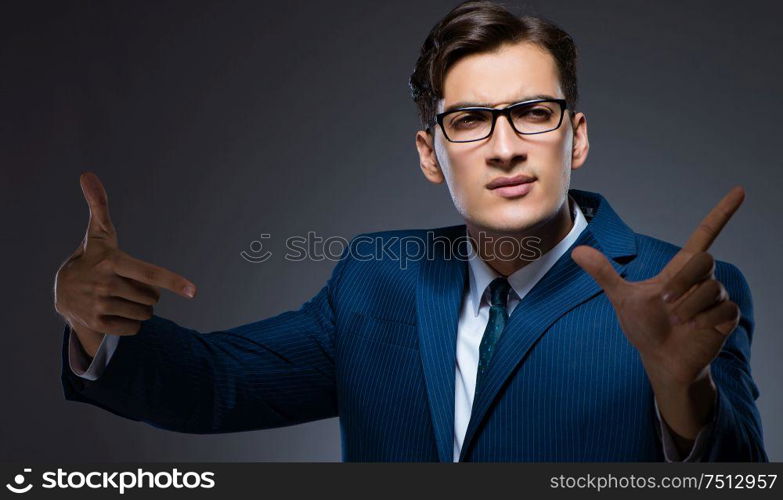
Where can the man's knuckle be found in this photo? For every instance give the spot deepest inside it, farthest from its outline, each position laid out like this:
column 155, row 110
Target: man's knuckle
column 100, row 307
column 707, row 227
column 151, row 274
column 101, row 289
column 679, row 285
column 105, row 262
column 709, row 263
column 713, row 287
column 702, row 261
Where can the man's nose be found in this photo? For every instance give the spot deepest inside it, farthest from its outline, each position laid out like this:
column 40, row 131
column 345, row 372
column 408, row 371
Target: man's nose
column 506, row 145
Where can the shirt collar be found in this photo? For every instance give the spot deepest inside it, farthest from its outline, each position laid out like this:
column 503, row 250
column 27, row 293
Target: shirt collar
column 522, row 280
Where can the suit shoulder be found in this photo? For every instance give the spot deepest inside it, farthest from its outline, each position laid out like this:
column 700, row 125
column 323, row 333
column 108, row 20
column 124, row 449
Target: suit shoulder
column 649, row 245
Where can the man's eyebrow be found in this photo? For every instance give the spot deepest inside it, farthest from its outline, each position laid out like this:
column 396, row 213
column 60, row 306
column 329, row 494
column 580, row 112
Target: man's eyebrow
column 466, row 104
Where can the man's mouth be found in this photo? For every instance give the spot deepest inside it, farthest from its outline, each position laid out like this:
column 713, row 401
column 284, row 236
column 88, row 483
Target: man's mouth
column 510, row 187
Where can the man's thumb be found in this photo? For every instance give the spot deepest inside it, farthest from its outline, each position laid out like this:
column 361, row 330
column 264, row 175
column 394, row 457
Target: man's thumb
column 596, row 265
column 100, row 225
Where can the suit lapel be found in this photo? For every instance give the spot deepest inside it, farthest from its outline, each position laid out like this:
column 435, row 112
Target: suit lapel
column 439, row 291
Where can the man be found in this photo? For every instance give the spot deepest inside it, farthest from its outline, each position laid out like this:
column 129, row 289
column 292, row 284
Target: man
column 543, row 329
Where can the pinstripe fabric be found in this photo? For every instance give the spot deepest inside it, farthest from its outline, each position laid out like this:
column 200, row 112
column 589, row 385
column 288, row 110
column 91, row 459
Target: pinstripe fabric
column 376, row 346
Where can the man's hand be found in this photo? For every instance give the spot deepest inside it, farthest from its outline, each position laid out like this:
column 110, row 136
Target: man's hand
column 100, row 289
column 677, row 320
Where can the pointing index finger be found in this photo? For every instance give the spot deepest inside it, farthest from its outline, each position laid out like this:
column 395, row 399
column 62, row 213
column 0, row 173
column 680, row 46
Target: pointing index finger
column 136, row 269
column 711, row 226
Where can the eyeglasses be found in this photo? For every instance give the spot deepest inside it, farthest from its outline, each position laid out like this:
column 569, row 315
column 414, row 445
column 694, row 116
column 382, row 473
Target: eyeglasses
column 528, row 117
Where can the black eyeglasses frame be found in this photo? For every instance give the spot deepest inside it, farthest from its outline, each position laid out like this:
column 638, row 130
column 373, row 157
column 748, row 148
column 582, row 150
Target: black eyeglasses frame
column 505, row 112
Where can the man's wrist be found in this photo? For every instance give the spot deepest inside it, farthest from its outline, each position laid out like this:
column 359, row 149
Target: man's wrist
column 88, row 341
column 686, row 408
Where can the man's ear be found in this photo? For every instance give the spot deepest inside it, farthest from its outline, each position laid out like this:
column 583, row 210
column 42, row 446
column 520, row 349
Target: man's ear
column 581, row 144
column 428, row 161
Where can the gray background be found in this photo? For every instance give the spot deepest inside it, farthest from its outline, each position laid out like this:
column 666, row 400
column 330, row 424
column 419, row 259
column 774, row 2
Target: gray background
column 211, row 123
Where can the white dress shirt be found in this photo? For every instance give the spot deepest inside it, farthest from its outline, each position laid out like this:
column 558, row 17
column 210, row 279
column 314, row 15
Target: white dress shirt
column 80, row 363
column 473, row 319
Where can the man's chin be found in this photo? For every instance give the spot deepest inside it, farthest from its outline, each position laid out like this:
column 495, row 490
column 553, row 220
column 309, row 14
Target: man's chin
column 506, row 227
column 517, row 220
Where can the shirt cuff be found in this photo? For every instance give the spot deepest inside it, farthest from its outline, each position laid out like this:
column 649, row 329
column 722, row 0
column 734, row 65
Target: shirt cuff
column 79, row 361
column 670, row 451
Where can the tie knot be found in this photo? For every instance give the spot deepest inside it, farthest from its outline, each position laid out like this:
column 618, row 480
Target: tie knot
column 498, row 292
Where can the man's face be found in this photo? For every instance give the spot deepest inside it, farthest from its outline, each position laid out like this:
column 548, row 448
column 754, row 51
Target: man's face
column 511, row 74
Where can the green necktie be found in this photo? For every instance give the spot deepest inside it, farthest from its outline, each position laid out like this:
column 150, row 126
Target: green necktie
column 498, row 317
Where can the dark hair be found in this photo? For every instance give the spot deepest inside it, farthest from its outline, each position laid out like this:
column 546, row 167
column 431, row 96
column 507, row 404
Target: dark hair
column 483, row 26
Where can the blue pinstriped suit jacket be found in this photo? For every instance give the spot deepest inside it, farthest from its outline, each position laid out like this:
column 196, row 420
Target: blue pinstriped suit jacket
column 376, row 347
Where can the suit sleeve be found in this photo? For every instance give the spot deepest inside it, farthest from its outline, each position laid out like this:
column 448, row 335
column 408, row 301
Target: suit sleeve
column 274, row 372
column 737, row 433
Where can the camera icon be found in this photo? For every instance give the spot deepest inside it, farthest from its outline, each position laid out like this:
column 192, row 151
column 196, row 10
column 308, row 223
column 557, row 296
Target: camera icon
column 19, row 479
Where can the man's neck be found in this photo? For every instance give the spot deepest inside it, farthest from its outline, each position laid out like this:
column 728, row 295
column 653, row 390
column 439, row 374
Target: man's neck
column 494, row 247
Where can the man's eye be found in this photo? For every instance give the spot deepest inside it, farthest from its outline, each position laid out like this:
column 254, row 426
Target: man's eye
column 468, row 120
column 534, row 114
